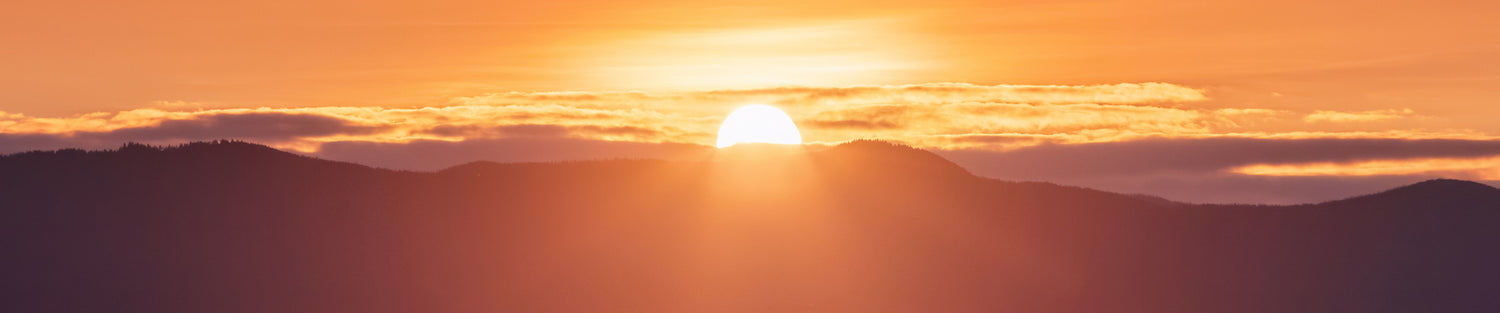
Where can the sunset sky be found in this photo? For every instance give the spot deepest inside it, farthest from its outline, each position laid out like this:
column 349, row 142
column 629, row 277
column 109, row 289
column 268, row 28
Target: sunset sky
column 1206, row 101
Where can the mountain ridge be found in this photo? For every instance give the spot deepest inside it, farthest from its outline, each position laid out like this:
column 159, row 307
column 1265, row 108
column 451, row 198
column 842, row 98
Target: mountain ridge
column 885, row 153
column 872, row 227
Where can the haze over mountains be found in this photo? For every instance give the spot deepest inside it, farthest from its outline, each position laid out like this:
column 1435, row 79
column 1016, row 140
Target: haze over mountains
column 860, row 227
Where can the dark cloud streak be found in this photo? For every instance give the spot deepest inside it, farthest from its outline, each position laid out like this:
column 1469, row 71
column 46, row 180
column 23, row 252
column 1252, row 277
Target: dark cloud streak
column 1200, row 155
column 256, row 127
column 432, row 155
column 248, row 126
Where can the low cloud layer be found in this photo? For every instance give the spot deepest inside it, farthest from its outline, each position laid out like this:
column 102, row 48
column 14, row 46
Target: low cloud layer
column 828, row 114
column 433, row 155
column 265, row 127
column 1207, row 170
column 939, row 116
column 1114, row 136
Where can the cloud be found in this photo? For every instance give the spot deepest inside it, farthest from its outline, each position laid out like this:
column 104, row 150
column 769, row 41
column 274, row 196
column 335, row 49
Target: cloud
column 1364, row 116
column 829, row 114
column 178, row 104
column 13, row 143
column 547, row 131
column 432, row 155
column 1126, row 93
column 1146, row 166
column 304, row 129
column 257, row 126
column 1480, row 168
column 937, row 115
column 1117, row 137
column 796, row 97
column 1199, row 155
column 854, row 124
column 937, row 125
column 874, row 117
column 265, row 127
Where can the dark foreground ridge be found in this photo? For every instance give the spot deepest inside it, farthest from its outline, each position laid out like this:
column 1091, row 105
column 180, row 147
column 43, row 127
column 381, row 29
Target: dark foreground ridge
column 861, row 227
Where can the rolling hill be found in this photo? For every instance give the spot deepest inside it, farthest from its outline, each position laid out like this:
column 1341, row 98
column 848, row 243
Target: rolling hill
column 860, row 227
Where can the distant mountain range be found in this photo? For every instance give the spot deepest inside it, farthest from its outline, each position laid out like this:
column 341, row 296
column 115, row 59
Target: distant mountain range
column 860, row 227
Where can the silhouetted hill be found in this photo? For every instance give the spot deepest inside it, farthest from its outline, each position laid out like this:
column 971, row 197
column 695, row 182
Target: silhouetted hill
column 887, row 158
column 1437, row 192
column 861, row 227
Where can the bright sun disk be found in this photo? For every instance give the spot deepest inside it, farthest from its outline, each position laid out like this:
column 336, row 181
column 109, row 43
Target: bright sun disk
column 758, row 123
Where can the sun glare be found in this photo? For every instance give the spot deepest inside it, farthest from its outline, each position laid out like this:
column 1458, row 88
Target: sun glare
column 758, row 123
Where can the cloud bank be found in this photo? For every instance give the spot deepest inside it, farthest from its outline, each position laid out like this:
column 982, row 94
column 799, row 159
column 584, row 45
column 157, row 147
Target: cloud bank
column 1113, row 136
column 1215, row 169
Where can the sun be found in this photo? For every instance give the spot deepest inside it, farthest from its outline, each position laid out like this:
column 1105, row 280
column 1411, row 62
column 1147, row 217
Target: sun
column 758, row 123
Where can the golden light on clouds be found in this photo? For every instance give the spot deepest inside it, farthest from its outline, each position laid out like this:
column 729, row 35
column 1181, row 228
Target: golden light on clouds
column 1365, row 116
column 837, row 52
column 1487, row 168
column 938, row 115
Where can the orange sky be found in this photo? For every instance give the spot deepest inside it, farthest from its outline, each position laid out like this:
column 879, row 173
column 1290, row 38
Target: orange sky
column 964, row 76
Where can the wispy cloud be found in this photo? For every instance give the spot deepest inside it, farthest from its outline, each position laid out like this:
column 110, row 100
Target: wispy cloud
column 1363, row 116
column 1476, row 168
